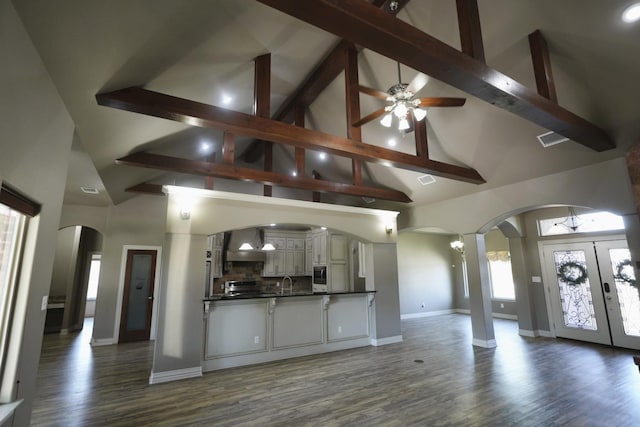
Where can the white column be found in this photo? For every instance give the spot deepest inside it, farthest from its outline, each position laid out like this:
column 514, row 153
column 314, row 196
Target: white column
column 479, row 291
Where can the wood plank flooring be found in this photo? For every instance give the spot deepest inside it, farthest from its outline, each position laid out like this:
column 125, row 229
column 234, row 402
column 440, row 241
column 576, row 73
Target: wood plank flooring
column 522, row 382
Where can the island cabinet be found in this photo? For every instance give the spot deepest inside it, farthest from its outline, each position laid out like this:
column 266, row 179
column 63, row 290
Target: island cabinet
column 289, row 256
column 273, row 328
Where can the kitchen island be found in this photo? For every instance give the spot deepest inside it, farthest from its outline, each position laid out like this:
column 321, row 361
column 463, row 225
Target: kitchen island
column 247, row 330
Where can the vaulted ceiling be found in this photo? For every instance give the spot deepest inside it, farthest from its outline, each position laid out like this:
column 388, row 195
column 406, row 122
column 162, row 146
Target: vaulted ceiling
column 147, row 82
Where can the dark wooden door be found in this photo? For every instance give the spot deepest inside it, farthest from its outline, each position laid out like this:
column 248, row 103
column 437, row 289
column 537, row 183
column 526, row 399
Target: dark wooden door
column 137, row 301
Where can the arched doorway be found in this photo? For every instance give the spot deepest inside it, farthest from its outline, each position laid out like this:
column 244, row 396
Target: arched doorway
column 78, row 251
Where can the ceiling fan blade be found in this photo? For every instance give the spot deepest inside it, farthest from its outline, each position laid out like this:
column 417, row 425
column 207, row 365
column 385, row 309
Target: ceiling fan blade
column 418, row 82
column 369, row 118
column 373, row 92
column 442, row 102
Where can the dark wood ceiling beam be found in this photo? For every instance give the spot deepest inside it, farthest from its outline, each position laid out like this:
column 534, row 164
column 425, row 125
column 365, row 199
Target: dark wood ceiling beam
column 221, row 170
column 420, row 134
column 374, row 29
column 324, row 73
column 542, row 66
column 146, row 188
column 228, row 148
column 352, row 92
column 262, row 107
column 470, row 30
column 156, row 104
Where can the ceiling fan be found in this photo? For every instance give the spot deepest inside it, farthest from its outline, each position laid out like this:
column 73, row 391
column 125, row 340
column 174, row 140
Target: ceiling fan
column 404, row 102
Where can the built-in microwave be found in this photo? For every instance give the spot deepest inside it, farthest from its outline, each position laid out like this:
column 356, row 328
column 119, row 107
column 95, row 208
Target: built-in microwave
column 320, row 275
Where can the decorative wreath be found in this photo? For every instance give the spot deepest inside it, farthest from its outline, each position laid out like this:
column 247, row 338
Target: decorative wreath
column 624, row 272
column 567, row 273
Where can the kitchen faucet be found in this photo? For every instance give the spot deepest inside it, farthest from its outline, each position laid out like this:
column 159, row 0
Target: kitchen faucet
column 290, row 284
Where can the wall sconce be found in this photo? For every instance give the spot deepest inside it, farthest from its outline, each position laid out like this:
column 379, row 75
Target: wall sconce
column 388, row 228
column 185, row 213
column 458, row 246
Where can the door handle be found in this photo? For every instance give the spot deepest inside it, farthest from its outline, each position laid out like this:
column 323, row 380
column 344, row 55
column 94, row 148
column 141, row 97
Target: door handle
column 607, row 288
column 149, row 298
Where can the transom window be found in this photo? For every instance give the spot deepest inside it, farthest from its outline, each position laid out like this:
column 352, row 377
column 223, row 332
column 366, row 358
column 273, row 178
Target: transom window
column 584, row 223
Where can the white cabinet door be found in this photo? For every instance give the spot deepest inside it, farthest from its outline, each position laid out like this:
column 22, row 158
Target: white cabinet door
column 294, row 263
column 274, row 265
column 320, row 248
column 308, row 257
column 338, row 248
column 339, row 278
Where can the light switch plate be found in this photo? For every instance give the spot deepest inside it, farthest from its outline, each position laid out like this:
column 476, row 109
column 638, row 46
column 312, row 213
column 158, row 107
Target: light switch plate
column 45, row 302
column 536, row 279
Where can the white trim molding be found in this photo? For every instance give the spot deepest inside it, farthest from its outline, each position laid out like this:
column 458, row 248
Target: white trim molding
column 178, row 374
column 484, row 343
column 386, row 340
column 97, row 342
column 8, row 409
column 426, row 314
column 534, row 334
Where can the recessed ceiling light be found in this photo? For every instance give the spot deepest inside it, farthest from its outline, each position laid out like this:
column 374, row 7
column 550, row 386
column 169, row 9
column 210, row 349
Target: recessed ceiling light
column 89, row 190
column 205, row 147
column 391, row 142
column 226, row 99
column 294, row 173
column 323, row 228
column 322, row 156
column 272, row 225
column 632, row 13
column 387, row 164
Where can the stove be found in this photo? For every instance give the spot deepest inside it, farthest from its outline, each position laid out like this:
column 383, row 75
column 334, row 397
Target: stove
column 237, row 288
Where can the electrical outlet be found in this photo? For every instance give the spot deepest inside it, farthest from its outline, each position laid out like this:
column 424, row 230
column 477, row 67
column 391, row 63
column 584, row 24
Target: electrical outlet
column 45, row 302
column 422, row 305
column 256, row 339
column 501, row 305
column 339, row 329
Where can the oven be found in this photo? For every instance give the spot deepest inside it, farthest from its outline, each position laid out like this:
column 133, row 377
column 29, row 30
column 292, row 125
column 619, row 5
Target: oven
column 238, row 288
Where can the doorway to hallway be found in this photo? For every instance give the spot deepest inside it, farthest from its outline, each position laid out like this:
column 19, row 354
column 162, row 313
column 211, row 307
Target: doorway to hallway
column 592, row 291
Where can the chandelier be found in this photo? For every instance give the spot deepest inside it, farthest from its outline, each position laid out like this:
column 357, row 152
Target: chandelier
column 403, row 105
column 572, row 222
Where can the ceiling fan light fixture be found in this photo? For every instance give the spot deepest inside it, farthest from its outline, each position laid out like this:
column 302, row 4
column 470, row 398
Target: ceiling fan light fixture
column 386, row 120
column 404, row 124
column 419, row 113
column 401, row 111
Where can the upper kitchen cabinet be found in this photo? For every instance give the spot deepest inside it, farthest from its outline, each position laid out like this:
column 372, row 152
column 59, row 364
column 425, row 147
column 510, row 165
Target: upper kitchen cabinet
column 319, row 246
column 289, row 256
column 214, row 253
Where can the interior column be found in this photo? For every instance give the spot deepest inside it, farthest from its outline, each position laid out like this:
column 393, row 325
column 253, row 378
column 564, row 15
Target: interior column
column 479, row 291
column 524, row 308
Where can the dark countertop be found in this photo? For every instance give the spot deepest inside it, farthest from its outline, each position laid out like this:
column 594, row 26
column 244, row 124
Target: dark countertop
column 285, row 295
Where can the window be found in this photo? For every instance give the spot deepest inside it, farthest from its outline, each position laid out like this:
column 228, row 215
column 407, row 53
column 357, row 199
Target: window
column 11, row 232
column 584, row 223
column 500, row 274
column 94, row 274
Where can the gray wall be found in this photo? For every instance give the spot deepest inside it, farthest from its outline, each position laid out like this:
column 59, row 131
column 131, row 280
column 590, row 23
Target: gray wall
column 425, row 273
column 383, row 269
column 64, row 264
column 35, row 134
column 137, row 222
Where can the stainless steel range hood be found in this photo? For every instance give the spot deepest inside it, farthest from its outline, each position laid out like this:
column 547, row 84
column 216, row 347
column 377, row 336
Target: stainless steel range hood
column 251, row 236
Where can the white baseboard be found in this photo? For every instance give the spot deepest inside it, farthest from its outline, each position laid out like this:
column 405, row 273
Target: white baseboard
column 496, row 315
column 505, row 316
column 178, row 374
column 97, row 342
column 426, row 314
column 536, row 333
column 387, row 340
column 484, row 343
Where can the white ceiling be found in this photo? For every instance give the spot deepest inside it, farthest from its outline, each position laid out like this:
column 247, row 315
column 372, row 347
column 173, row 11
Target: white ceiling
column 203, row 50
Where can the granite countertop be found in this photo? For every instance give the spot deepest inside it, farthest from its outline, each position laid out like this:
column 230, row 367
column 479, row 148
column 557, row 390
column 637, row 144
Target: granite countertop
column 222, row 297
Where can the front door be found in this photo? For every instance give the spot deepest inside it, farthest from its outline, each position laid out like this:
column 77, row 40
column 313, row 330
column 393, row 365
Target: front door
column 593, row 292
column 137, row 301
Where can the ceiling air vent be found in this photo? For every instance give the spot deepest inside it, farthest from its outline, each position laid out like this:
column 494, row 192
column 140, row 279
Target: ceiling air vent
column 426, row 179
column 368, row 199
column 89, row 190
column 551, row 138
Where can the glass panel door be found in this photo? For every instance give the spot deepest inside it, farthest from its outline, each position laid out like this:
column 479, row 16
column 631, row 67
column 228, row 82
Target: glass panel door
column 574, row 289
column 620, row 292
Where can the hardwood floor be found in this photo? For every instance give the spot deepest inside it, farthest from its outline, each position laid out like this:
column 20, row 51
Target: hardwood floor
column 522, row 382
